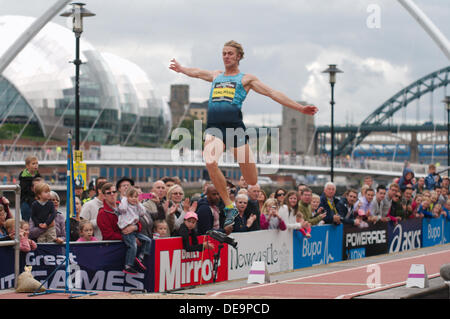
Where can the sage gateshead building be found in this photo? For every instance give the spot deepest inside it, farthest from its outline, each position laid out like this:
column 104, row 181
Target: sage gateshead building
column 118, row 104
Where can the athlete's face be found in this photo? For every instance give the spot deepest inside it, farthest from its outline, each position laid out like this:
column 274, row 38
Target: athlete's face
column 230, row 56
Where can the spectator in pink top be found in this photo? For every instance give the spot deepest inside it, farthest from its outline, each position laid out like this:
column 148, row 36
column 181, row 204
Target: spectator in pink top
column 26, row 244
column 269, row 216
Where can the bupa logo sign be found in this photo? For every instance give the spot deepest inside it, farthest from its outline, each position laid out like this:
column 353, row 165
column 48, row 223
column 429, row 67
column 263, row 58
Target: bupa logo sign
column 324, row 246
column 311, row 249
column 433, row 231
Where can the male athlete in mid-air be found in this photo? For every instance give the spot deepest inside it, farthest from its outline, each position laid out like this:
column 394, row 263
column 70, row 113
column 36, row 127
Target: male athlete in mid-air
column 228, row 91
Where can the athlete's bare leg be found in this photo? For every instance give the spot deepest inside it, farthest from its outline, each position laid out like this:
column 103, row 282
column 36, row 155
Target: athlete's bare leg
column 243, row 154
column 214, row 148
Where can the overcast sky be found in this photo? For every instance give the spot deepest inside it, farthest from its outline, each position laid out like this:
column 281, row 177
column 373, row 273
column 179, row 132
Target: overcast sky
column 287, row 44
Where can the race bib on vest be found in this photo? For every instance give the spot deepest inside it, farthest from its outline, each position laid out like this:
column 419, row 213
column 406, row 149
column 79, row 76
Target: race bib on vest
column 224, row 91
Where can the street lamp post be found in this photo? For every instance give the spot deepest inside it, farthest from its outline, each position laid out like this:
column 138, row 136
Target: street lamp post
column 447, row 106
column 77, row 12
column 332, row 70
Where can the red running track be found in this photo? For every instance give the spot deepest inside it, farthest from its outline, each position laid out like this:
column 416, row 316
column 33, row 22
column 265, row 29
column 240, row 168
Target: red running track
column 345, row 283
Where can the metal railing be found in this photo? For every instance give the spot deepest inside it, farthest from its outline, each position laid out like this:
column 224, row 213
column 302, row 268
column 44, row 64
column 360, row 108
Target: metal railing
column 133, row 154
column 16, row 241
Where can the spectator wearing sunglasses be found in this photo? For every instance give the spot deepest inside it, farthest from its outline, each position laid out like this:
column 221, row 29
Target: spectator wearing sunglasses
column 280, row 194
column 107, row 217
column 178, row 205
column 396, row 212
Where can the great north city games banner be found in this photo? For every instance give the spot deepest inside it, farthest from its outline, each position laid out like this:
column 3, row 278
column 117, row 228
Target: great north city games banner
column 93, row 267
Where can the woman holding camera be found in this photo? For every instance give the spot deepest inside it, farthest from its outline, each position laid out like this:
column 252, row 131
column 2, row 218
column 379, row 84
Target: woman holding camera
column 269, row 216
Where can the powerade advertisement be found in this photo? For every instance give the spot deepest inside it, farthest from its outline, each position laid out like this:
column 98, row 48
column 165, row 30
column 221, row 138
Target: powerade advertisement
column 405, row 235
column 323, row 247
column 364, row 242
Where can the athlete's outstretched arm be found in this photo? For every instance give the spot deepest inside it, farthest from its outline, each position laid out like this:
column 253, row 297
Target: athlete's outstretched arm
column 279, row 97
column 193, row 72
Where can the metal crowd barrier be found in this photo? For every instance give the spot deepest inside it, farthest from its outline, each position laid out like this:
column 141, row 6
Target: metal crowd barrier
column 16, row 241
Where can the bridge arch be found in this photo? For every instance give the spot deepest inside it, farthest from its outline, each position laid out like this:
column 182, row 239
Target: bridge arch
column 401, row 99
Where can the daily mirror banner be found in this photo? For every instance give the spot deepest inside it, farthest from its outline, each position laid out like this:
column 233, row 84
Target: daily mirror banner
column 405, row 235
column 323, row 247
column 176, row 268
column 272, row 246
column 364, row 242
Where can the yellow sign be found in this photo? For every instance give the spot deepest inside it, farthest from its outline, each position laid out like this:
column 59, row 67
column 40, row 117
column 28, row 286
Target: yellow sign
column 79, row 174
column 78, row 156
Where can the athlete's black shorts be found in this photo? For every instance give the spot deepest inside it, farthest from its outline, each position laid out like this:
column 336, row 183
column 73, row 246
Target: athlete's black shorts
column 232, row 134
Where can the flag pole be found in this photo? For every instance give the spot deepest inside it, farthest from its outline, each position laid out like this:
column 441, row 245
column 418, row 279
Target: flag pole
column 69, row 205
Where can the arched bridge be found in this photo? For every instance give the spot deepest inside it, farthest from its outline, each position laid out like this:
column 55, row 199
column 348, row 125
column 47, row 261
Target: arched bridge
column 401, row 99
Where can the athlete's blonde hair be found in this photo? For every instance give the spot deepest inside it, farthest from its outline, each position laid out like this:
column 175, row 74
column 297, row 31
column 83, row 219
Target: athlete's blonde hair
column 237, row 46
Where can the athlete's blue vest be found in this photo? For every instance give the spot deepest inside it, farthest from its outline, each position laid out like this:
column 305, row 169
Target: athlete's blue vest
column 225, row 100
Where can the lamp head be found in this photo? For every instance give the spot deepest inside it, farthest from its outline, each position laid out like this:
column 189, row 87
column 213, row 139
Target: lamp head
column 332, row 70
column 77, row 12
column 446, row 100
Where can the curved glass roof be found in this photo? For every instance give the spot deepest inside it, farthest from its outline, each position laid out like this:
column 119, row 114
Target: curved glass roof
column 109, row 85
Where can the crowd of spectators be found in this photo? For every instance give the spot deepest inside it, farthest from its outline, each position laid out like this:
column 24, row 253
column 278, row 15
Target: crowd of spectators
column 163, row 210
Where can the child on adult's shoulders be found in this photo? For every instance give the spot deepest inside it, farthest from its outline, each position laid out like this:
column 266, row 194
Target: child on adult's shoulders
column 130, row 209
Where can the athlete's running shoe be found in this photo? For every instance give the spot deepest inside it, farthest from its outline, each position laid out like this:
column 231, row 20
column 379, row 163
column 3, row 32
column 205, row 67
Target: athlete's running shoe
column 230, row 215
